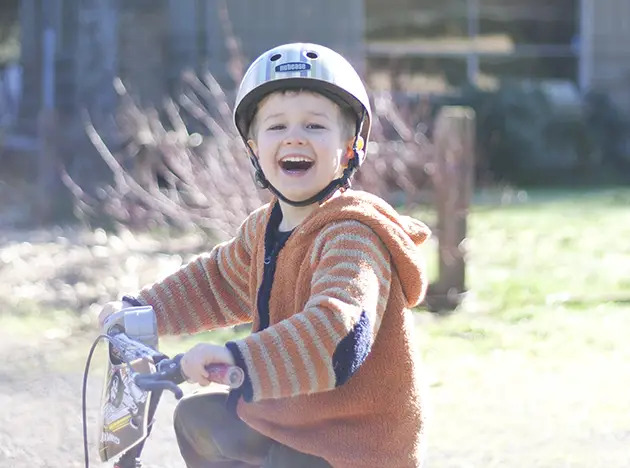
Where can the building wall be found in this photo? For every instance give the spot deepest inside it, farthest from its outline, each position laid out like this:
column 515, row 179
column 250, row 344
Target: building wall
column 202, row 30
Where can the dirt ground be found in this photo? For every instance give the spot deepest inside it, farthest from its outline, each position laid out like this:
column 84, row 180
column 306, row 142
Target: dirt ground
column 40, row 397
column 51, row 281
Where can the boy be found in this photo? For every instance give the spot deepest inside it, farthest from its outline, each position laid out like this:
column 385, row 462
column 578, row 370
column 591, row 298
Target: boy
column 325, row 274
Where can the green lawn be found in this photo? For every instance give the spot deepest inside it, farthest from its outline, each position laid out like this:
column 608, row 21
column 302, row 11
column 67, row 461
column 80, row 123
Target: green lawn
column 534, row 368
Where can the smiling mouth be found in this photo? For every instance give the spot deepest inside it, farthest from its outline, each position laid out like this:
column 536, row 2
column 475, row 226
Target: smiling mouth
column 296, row 165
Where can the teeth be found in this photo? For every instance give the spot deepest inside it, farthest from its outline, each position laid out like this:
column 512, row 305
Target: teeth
column 295, row 159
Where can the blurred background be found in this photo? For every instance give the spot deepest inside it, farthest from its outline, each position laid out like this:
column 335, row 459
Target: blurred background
column 505, row 125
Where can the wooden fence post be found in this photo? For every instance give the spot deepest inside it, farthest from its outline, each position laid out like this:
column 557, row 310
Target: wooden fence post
column 454, row 141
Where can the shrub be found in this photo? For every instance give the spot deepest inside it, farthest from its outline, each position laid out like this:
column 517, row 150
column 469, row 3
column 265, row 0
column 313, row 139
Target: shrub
column 186, row 166
column 183, row 165
column 510, row 129
column 526, row 134
column 609, row 131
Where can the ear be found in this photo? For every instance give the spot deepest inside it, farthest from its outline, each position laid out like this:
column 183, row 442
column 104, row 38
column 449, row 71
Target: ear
column 349, row 154
column 254, row 147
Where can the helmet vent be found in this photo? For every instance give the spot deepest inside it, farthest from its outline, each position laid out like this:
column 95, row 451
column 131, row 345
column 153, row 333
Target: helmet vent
column 312, row 55
column 275, row 57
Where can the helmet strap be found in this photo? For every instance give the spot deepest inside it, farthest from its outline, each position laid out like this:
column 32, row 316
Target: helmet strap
column 259, row 175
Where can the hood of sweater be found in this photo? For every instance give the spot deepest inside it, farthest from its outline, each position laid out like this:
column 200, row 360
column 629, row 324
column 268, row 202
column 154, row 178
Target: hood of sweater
column 402, row 235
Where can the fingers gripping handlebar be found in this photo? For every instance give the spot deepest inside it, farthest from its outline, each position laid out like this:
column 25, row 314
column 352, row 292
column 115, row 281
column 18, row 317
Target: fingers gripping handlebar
column 169, row 375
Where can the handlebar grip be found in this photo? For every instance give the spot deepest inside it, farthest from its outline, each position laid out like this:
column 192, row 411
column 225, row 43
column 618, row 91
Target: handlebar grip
column 232, row 376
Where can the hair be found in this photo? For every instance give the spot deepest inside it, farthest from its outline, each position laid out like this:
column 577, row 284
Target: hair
column 348, row 117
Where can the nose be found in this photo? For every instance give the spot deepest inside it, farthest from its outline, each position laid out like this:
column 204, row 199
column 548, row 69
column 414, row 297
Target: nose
column 294, row 136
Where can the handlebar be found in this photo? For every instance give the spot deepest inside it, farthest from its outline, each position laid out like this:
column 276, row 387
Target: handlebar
column 169, row 375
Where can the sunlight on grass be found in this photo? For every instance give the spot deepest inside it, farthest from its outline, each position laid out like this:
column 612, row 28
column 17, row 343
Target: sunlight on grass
column 533, row 369
column 29, row 322
column 574, row 248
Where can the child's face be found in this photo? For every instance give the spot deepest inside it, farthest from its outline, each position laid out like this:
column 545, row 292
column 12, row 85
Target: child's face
column 300, row 141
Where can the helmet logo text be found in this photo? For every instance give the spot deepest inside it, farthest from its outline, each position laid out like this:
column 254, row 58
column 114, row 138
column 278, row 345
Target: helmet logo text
column 293, row 66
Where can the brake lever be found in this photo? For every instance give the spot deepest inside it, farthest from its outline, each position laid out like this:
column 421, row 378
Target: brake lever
column 171, row 370
column 150, row 383
column 167, row 377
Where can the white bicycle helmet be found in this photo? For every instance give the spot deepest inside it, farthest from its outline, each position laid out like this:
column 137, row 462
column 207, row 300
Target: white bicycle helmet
column 309, row 67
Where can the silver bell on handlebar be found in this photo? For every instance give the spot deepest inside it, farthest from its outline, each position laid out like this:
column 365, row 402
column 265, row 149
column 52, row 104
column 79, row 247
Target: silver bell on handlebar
column 138, row 323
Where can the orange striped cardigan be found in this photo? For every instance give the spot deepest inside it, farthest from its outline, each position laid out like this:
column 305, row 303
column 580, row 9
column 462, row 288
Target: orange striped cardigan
column 336, row 373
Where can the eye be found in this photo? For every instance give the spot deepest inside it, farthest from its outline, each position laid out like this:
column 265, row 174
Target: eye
column 277, row 127
column 315, row 126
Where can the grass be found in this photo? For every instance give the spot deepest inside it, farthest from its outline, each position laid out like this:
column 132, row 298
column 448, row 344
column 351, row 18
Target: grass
column 533, row 370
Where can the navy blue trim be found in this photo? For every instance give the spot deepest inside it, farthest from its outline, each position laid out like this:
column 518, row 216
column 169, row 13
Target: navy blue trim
column 352, row 350
column 246, row 388
column 274, row 241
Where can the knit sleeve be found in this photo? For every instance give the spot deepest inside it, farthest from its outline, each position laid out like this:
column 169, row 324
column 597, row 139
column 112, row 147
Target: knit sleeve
column 321, row 347
column 212, row 291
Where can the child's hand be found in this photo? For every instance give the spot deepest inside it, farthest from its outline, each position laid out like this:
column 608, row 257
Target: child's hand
column 194, row 362
column 109, row 309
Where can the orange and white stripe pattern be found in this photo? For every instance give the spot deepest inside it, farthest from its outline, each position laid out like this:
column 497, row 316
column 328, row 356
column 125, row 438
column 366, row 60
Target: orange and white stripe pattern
column 210, row 292
column 350, row 286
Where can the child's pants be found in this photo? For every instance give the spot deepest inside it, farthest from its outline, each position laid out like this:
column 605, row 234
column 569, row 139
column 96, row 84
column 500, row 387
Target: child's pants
column 210, row 436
